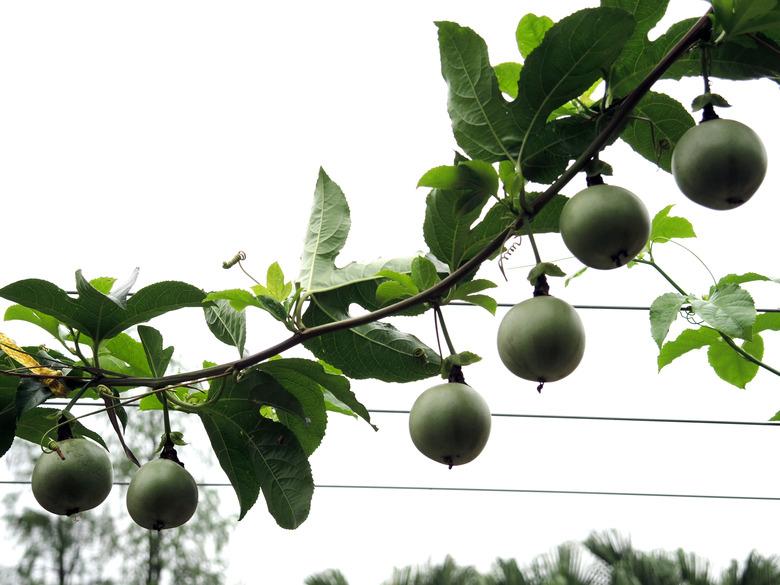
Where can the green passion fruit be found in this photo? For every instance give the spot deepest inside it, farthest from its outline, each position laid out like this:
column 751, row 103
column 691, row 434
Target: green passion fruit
column 605, row 226
column 541, row 339
column 162, row 494
column 79, row 482
column 719, row 164
column 450, row 423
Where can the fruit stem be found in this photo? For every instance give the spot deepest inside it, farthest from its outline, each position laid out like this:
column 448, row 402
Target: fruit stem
column 531, row 239
column 444, row 331
column 594, row 180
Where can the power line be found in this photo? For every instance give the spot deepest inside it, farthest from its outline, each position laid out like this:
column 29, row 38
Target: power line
column 431, row 488
column 559, row 417
column 594, row 307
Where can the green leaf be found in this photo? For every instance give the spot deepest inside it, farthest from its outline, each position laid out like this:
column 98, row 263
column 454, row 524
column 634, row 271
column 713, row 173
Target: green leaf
column 473, row 286
column 466, row 292
column 94, row 313
column 42, row 320
column 227, row 324
column 424, row 274
column 7, row 412
column 728, row 60
column 275, row 283
column 36, row 426
column 328, row 229
column 729, row 309
column 329, row 225
column 479, row 177
column 666, row 227
column 486, row 302
column 663, row 312
column 377, row 350
column 481, row 119
column 544, row 269
column 391, row 292
column 688, row 340
column 572, row 57
column 448, row 230
column 732, row 367
column 239, row 298
column 157, row 358
column 577, row 274
column 548, row 219
column 177, row 438
column 462, row 359
column 507, row 75
column 739, row 17
column 130, row 353
column 257, row 453
column 743, row 278
column 103, row 284
column 767, row 322
column 647, row 14
column 656, row 125
column 308, row 393
column 709, row 99
column 530, row 32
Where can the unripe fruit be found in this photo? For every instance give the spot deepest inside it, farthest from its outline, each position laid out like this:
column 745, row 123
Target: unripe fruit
column 162, row 494
column 719, row 164
column 79, row 482
column 541, row 339
column 450, row 423
column 605, row 226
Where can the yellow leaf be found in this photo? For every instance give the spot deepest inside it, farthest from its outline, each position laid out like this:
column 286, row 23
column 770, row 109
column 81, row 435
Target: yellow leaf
column 16, row 353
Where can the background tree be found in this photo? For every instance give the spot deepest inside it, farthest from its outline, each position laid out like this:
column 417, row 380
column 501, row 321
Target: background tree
column 59, row 550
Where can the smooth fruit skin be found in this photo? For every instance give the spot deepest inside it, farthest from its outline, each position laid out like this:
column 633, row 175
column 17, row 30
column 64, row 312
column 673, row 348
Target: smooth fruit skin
column 719, row 164
column 79, row 482
column 605, row 226
column 450, row 423
column 541, row 339
column 162, row 494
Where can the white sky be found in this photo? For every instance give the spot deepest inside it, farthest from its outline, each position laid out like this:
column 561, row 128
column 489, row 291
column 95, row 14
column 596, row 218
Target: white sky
column 169, row 135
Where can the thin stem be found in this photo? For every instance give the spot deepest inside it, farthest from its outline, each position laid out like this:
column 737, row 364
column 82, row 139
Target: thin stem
column 241, row 266
column 444, row 331
column 662, row 273
column 733, row 345
column 76, row 396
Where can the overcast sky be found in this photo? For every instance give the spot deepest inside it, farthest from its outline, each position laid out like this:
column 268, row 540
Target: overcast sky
column 170, row 135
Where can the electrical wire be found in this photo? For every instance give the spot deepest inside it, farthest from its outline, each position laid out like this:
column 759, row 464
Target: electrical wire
column 433, row 488
column 556, row 417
